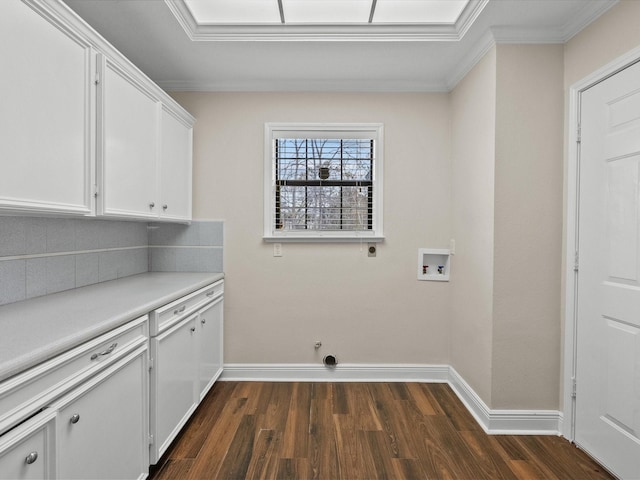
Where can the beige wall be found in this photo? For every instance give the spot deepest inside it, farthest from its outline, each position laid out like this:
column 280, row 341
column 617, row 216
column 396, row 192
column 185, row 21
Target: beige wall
column 528, row 227
column 472, row 157
column 610, row 36
column 364, row 310
column 482, row 164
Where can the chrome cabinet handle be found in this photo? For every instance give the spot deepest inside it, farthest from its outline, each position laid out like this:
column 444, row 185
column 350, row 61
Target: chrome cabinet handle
column 75, row 418
column 31, row 458
column 179, row 310
column 106, row 352
column 165, row 206
column 203, row 321
column 152, row 204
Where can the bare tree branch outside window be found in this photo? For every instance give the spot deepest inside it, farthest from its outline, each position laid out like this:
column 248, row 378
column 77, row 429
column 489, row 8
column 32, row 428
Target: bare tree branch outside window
column 324, row 184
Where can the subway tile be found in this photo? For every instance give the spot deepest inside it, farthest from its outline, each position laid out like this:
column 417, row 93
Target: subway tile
column 132, row 262
column 12, row 281
column 88, row 234
column 211, row 233
column 199, row 259
column 87, row 269
column 163, row 259
column 61, row 273
column 170, row 234
column 36, row 235
column 108, row 266
column 12, row 236
column 189, row 259
column 131, row 234
column 36, row 277
column 60, row 235
column 141, row 260
column 110, row 232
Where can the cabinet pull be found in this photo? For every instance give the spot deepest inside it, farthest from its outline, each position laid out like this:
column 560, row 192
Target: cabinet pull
column 31, row 458
column 193, row 329
column 75, row 418
column 210, row 294
column 203, row 321
column 165, row 206
column 152, row 204
column 106, row 352
column 179, row 310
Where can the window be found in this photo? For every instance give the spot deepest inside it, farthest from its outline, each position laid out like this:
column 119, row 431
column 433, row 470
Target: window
column 323, row 182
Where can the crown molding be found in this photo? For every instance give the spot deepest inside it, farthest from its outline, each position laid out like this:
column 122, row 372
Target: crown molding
column 304, row 86
column 473, row 56
column 322, row 32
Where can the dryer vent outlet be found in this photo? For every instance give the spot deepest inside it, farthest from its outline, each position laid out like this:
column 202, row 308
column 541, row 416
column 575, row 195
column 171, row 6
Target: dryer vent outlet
column 330, row 361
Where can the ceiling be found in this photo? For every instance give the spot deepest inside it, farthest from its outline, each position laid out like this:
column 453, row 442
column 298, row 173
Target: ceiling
column 182, row 46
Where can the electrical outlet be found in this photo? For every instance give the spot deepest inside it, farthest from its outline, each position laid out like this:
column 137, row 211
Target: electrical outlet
column 277, row 249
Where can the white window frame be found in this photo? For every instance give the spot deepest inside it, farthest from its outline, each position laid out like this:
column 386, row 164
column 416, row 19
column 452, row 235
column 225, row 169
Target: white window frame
column 322, row 130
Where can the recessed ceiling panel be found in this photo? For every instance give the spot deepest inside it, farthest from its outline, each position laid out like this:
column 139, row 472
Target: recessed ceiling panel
column 234, row 11
column 326, row 11
column 418, row 11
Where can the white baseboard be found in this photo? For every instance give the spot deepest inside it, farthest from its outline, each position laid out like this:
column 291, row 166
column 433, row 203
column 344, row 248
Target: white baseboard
column 511, row 422
column 504, row 422
column 287, row 372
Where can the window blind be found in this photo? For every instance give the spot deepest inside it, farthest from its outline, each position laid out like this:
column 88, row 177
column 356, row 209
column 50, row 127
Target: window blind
column 322, row 182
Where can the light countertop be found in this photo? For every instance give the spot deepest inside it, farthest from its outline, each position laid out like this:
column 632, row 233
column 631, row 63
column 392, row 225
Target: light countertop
column 36, row 330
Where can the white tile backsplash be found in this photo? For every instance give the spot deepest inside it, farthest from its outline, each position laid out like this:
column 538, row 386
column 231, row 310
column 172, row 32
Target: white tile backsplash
column 40, row 256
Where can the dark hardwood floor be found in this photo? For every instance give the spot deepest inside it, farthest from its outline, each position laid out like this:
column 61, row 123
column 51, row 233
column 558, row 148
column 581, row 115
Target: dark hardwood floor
column 264, row 430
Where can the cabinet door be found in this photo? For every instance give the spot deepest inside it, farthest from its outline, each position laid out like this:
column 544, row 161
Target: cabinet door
column 46, row 118
column 175, row 167
column 127, row 144
column 173, row 382
column 101, row 427
column 28, row 450
column 210, row 346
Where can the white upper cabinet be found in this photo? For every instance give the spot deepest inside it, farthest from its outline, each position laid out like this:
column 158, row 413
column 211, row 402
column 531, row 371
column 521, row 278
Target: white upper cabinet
column 63, row 83
column 144, row 149
column 47, row 116
column 176, row 134
column 127, row 144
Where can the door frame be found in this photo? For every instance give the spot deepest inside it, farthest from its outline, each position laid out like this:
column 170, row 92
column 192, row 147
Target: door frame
column 572, row 182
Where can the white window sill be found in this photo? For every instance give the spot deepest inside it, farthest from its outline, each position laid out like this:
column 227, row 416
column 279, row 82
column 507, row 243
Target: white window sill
column 323, row 239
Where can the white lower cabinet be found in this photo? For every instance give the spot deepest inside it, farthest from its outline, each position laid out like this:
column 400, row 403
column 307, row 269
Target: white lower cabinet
column 186, row 350
column 83, row 414
column 26, row 452
column 172, row 382
column 210, row 345
column 101, row 426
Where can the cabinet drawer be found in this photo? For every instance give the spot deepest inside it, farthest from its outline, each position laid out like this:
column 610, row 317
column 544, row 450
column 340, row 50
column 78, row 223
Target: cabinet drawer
column 170, row 314
column 29, row 391
column 27, row 450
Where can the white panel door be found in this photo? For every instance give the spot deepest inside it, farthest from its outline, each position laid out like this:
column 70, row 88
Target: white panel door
column 607, row 423
column 102, row 427
column 175, row 167
column 211, row 344
column 46, row 118
column 173, row 396
column 128, row 145
column 27, row 452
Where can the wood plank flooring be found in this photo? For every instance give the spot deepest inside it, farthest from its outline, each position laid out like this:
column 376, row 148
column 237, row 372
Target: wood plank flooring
column 351, row 431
